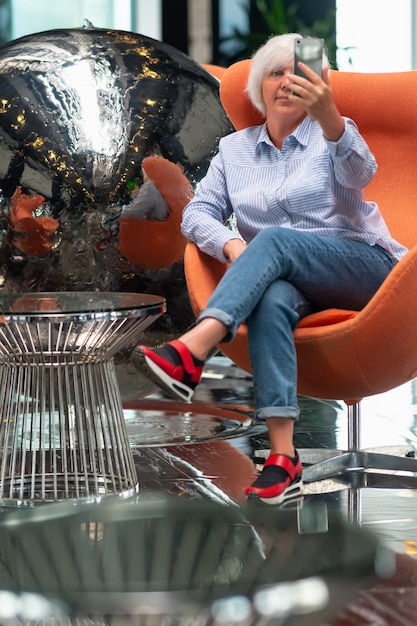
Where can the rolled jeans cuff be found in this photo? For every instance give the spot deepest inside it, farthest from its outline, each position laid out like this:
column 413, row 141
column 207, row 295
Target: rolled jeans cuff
column 289, row 412
column 223, row 317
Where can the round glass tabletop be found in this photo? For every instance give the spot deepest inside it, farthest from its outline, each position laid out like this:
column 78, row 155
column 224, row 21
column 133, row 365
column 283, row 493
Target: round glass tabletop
column 75, row 304
column 179, row 561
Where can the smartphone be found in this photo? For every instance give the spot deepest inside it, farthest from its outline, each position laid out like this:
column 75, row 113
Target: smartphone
column 309, row 50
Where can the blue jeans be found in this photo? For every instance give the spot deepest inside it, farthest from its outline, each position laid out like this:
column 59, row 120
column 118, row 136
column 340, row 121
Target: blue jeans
column 282, row 276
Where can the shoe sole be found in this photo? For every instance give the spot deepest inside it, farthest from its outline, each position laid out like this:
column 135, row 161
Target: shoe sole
column 173, row 388
column 293, row 504
column 293, row 491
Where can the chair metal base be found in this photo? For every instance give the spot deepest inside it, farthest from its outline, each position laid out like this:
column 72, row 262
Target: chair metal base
column 363, row 467
column 358, row 461
column 385, row 467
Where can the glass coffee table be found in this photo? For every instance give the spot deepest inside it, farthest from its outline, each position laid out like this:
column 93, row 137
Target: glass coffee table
column 62, row 429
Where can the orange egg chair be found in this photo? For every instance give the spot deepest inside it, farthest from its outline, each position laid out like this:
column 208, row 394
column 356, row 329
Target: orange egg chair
column 349, row 355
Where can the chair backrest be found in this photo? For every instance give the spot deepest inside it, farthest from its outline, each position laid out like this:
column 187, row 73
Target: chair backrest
column 215, row 70
column 384, row 106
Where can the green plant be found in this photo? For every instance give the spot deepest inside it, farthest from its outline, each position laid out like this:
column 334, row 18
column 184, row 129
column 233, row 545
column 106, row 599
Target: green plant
column 277, row 18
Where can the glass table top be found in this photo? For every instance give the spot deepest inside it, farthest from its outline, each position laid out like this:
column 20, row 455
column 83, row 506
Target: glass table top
column 72, row 303
column 182, row 561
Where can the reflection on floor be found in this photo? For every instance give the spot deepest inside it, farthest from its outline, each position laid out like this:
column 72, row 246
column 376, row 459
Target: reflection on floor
column 212, row 449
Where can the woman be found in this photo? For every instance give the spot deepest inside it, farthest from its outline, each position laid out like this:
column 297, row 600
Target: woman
column 308, row 241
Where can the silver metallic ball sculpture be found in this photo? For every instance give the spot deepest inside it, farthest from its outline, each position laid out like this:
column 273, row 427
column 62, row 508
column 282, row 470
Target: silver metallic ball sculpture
column 104, row 135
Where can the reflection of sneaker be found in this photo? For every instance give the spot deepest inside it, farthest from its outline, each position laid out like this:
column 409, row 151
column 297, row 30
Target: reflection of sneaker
column 279, row 480
column 172, row 367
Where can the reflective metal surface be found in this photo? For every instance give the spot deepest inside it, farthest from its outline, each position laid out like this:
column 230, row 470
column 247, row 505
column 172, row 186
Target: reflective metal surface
column 111, row 131
column 82, row 108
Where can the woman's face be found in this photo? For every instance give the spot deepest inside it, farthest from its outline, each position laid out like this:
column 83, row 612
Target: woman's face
column 275, row 94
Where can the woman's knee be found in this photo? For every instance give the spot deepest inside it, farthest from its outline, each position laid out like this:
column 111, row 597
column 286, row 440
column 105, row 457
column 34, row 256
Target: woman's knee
column 282, row 298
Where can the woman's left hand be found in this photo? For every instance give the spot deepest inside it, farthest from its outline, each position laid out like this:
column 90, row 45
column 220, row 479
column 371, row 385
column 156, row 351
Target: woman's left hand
column 316, row 96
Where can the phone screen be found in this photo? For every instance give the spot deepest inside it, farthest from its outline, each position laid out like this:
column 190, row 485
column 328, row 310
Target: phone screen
column 309, row 50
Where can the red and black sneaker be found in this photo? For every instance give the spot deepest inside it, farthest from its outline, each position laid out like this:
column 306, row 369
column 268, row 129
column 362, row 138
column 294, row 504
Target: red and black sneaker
column 279, row 480
column 173, row 368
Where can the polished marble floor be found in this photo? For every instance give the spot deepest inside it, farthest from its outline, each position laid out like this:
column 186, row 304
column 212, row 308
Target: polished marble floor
column 212, row 449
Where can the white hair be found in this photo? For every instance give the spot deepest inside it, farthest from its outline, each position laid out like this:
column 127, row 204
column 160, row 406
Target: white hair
column 276, row 53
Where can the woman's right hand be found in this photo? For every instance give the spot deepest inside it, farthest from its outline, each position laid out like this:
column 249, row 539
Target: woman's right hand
column 234, row 248
column 315, row 95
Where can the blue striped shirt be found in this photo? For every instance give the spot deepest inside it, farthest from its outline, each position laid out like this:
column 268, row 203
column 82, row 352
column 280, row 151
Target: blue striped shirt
column 310, row 184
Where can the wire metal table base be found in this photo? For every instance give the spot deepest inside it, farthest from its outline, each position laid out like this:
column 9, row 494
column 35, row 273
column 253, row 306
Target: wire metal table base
column 62, row 430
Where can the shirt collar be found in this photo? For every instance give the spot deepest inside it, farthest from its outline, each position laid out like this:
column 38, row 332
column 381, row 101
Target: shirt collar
column 301, row 134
